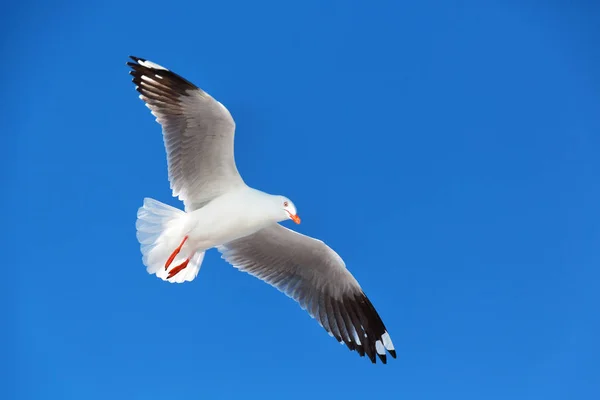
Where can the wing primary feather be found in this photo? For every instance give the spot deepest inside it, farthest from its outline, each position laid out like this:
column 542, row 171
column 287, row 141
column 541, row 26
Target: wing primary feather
column 352, row 334
column 365, row 344
column 341, row 324
column 323, row 313
column 332, row 319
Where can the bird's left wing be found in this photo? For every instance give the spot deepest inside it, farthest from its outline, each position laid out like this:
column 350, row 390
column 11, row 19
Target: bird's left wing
column 314, row 275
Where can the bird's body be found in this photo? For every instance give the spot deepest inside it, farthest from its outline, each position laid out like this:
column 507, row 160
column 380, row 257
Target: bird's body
column 228, row 217
column 222, row 212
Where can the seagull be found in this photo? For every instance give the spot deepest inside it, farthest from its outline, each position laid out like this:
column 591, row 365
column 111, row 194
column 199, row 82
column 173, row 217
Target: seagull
column 242, row 223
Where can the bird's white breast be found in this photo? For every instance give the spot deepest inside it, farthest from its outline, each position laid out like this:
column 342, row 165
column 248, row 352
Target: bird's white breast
column 228, row 217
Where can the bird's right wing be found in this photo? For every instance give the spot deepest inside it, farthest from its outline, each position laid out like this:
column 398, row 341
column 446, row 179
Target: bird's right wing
column 197, row 130
column 315, row 276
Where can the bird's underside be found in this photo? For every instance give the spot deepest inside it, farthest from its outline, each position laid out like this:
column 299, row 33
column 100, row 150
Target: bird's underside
column 198, row 133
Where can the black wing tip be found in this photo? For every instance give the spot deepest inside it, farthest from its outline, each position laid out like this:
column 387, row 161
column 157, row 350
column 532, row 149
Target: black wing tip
column 372, row 358
column 372, row 326
column 176, row 82
column 382, row 358
column 138, row 59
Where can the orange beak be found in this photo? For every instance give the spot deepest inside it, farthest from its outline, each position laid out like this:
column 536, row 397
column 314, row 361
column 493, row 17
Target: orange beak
column 294, row 217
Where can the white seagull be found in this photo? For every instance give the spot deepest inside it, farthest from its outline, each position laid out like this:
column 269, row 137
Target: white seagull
column 221, row 211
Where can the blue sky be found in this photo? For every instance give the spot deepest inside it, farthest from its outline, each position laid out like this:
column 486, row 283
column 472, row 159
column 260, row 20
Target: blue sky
column 447, row 151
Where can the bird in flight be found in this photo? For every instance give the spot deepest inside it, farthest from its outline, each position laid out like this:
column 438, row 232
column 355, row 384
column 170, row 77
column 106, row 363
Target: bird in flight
column 241, row 222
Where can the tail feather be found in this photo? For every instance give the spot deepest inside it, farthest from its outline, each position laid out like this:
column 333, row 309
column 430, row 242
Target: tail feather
column 160, row 229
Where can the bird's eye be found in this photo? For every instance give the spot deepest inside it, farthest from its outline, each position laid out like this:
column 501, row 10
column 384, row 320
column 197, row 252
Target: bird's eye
column 285, row 204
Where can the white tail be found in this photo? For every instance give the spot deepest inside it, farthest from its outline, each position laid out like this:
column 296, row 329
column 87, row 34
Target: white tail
column 160, row 229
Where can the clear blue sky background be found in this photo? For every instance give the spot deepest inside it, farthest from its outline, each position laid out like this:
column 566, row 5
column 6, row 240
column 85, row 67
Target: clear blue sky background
column 447, row 150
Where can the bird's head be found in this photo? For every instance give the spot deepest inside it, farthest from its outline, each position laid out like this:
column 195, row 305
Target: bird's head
column 287, row 209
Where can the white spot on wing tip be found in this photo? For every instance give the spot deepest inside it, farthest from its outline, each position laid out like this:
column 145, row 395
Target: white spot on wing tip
column 150, row 64
column 379, row 347
column 147, row 79
column 387, row 342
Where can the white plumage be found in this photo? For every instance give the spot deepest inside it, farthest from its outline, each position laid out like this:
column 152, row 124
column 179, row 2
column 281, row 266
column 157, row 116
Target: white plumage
column 222, row 212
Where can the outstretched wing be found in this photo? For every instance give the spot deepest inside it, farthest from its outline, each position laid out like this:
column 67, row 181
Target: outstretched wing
column 315, row 276
column 198, row 133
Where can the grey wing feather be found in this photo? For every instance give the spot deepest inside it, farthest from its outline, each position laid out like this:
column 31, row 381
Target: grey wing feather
column 198, row 132
column 315, row 276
